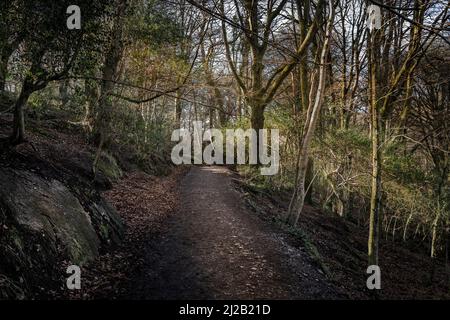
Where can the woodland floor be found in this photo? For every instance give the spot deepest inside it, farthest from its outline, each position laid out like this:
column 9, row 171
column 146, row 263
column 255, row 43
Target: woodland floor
column 193, row 235
column 213, row 248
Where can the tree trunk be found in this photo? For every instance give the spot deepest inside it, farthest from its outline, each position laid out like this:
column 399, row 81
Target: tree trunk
column 298, row 199
column 434, row 236
column 64, row 93
column 434, row 241
column 220, row 103
column 309, row 181
column 178, row 109
column 375, row 198
column 110, row 70
column 18, row 134
column 257, row 119
column 257, row 116
column 3, row 71
column 303, row 65
column 91, row 93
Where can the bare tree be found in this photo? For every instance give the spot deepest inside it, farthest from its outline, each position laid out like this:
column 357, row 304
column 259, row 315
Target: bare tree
column 317, row 94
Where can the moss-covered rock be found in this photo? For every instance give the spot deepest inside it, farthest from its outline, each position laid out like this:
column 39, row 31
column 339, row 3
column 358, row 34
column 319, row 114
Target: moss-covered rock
column 108, row 166
column 44, row 222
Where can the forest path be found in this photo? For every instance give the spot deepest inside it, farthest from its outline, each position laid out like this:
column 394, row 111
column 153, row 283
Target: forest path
column 214, row 248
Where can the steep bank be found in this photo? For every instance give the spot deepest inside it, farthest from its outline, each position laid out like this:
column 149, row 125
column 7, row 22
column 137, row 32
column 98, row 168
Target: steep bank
column 340, row 247
column 51, row 212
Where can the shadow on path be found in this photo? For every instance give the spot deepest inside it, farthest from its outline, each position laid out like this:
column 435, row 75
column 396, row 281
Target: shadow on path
column 214, row 248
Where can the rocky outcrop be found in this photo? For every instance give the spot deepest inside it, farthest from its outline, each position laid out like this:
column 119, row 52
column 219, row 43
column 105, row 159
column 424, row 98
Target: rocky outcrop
column 46, row 223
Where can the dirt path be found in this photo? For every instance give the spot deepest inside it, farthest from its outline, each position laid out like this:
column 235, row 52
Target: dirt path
column 214, row 248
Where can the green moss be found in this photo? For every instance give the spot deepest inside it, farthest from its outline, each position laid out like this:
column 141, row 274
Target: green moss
column 17, row 240
column 104, row 231
column 109, row 167
column 77, row 254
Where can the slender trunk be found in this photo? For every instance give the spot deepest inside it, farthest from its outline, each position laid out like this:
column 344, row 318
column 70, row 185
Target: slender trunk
column 211, row 113
column 178, row 109
column 64, row 93
column 92, row 97
column 349, row 194
column 437, row 223
column 304, row 86
column 296, row 98
column 244, row 74
column 220, row 103
column 309, row 181
column 303, row 65
column 343, row 110
column 375, row 199
column 434, row 240
column 406, row 104
column 298, row 200
column 3, row 71
column 434, row 236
